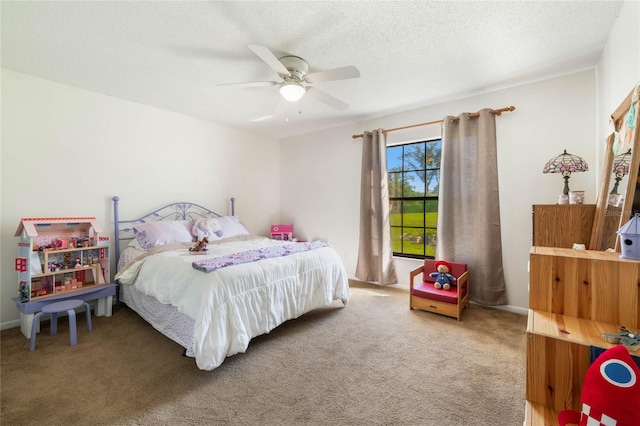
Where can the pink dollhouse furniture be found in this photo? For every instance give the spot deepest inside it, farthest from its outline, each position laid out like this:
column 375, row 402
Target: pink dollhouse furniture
column 425, row 296
column 282, row 232
column 68, row 306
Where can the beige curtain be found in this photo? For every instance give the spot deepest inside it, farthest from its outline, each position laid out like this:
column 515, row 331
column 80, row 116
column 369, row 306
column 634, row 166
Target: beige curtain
column 375, row 253
column 469, row 206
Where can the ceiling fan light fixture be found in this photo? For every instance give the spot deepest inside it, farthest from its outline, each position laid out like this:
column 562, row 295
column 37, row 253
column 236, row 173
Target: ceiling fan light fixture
column 292, row 91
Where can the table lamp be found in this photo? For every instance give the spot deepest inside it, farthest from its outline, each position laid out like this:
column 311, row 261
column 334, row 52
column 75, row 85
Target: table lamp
column 566, row 164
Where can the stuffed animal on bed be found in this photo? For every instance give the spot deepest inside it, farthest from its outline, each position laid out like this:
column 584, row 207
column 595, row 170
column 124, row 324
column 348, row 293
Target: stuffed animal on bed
column 206, row 227
column 443, row 278
column 200, row 245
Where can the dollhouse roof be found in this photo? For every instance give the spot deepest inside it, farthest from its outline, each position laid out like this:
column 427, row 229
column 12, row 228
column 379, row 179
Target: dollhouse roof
column 632, row 227
column 30, row 224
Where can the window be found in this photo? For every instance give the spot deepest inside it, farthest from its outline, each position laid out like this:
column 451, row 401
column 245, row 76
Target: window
column 414, row 182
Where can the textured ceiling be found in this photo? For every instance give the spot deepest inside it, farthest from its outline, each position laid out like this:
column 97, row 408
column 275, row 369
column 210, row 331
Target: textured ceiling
column 172, row 55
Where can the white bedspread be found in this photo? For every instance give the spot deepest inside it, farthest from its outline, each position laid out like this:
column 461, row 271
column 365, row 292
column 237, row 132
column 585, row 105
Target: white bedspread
column 232, row 305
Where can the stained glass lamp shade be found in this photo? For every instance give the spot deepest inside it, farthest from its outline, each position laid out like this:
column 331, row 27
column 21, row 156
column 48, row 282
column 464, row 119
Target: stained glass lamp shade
column 566, row 164
column 621, row 165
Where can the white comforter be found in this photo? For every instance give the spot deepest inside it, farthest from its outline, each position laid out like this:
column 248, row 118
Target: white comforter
column 232, row 305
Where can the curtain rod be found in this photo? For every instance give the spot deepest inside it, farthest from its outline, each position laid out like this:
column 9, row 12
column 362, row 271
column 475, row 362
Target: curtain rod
column 472, row 115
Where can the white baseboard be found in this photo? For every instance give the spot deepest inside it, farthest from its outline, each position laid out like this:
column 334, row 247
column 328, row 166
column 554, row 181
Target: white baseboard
column 9, row 324
column 511, row 308
column 508, row 308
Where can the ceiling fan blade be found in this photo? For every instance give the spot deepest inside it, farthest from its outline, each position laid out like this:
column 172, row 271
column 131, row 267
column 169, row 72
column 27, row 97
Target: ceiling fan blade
column 270, row 59
column 327, row 99
column 251, row 84
column 264, row 117
column 342, row 73
column 281, row 107
column 278, row 110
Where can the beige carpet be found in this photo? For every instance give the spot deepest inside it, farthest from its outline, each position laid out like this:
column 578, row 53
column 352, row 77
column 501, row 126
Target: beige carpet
column 374, row 362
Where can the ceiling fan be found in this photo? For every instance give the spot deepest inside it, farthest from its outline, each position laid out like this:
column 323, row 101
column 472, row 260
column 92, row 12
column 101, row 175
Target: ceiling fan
column 294, row 72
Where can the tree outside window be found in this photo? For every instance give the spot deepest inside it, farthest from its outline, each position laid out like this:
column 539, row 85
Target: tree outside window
column 414, row 182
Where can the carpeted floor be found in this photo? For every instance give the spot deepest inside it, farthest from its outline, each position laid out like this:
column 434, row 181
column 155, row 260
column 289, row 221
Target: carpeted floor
column 373, row 362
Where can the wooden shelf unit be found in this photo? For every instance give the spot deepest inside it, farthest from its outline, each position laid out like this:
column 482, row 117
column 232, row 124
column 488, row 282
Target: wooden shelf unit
column 574, row 296
column 569, row 329
column 539, row 415
column 594, row 285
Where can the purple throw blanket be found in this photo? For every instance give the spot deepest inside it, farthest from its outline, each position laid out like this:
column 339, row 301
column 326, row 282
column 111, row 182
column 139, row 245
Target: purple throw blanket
column 208, row 265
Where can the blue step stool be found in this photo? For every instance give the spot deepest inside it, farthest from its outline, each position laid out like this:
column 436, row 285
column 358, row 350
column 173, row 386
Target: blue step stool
column 54, row 309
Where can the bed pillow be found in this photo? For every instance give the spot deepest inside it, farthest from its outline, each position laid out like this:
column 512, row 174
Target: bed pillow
column 154, row 234
column 207, row 227
column 231, row 226
column 135, row 244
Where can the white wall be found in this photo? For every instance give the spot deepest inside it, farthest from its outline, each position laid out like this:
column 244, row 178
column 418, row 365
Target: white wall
column 67, row 151
column 566, row 112
column 320, row 184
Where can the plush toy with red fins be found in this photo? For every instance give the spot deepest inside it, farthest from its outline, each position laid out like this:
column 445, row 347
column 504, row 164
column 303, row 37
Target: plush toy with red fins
column 611, row 392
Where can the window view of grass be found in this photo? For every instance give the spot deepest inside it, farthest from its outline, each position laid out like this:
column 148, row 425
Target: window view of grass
column 414, row 180
column 414, row 233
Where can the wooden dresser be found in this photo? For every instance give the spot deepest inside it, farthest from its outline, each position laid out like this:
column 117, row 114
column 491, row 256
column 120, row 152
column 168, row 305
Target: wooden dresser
column 574, row 296
column 561, row 225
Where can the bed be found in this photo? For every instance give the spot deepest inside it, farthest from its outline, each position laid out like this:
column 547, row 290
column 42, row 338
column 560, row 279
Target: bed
column 213, row 302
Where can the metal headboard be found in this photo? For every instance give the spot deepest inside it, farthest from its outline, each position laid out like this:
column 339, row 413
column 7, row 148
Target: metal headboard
column 123, row 229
